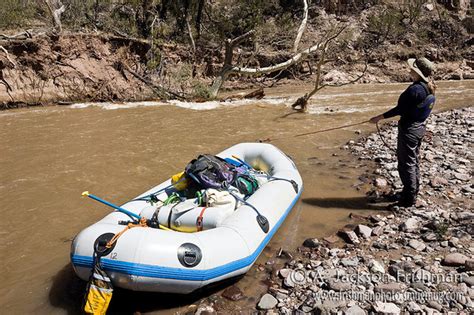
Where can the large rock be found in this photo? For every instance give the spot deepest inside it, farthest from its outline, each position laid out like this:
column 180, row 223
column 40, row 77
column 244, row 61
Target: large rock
column 462, row 177
column 350, row 262
column 378, row 230
column 311, row 243
column 233, row 293
column 351, row 237
column 417, row 245
column 402, row 270
column 429, row 237
column 267, row 302
column 338, row 285
column 355, row 310
column 381, row 183
column 455, row 260
column 410, row 225
column 386, row 308
column 469, row 281
column 392, row 287
column 412, row 307
column 469, row 264
column 376, row 267
column 438, row 182
column 435, row 305
column 364, row 231
column 205, row 309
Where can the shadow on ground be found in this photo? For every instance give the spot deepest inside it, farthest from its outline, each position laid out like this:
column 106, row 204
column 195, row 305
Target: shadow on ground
column 353, row 203
column 67, row 292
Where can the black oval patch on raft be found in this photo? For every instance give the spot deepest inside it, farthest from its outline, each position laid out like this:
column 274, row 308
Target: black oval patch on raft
column 101, row 242
column 189, row 255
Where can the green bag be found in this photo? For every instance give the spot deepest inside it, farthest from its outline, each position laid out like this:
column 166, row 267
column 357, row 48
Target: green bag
column 246, row 184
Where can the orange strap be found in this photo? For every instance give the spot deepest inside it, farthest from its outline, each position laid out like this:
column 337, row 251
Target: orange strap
column 199, row 220
column 114, row 239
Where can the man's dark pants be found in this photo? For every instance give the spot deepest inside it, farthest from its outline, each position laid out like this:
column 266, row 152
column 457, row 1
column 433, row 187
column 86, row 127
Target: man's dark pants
column 408, row 149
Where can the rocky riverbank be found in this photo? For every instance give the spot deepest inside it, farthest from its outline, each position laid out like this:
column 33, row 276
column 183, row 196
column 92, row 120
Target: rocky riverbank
column 413, row 260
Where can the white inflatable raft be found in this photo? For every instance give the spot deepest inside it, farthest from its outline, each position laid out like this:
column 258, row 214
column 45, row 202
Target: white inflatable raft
column 159, row 260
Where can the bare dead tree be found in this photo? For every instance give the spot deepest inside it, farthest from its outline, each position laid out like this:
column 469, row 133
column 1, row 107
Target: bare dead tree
column 302, row 27
column 230, row 44
column 301, row 103
column 56, row 8
column 227, row 67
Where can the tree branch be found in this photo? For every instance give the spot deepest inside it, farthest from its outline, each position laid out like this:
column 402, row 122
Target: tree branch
column 240, row 38
column 8, row 56
column 283, row 65
column 191, row 38
column 302, row 27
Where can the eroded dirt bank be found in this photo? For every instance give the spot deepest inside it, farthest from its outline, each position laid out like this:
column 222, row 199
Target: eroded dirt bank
column 70, row 68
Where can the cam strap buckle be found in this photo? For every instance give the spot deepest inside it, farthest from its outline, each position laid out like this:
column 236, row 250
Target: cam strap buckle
column 199, row 220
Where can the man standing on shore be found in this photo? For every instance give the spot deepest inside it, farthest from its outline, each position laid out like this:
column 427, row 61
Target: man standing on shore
column 414, row 106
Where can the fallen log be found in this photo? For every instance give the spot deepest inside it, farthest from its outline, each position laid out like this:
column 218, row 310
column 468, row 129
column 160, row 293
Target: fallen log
column 257, row 94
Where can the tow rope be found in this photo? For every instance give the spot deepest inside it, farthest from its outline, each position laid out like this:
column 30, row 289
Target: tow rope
column 141, row 223
column 383, row 139
column 315, row 132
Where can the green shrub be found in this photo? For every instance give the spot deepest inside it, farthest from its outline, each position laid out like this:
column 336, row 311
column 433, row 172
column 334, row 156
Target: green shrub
column 15, row 13
column 386, row 25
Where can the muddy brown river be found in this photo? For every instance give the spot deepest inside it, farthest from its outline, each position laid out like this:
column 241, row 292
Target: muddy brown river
column 50, row 155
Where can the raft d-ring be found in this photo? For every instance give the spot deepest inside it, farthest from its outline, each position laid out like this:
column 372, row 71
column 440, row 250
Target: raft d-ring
column 100, row 244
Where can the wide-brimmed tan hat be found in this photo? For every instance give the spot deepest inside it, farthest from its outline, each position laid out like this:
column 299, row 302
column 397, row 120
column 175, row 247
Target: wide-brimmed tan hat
column 422, row 66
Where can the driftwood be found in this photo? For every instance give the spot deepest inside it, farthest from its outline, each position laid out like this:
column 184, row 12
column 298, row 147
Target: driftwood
column 257, row 94
column 19, row 36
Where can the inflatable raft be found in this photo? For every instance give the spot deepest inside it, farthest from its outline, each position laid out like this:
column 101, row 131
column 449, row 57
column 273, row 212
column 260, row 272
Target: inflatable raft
column 226, row 245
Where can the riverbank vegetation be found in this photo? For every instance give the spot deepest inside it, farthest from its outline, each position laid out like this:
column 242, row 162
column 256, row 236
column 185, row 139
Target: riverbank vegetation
column 104, row 50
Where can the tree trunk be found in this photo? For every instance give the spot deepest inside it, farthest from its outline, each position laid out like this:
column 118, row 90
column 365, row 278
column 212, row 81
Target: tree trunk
column 200, row 9
column 164, row 9
column 302, row 27
column 227, row 67
column 56, row 8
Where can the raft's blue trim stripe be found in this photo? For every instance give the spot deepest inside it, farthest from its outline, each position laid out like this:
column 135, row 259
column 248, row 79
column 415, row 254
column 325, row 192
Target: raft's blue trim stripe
column 153, row 271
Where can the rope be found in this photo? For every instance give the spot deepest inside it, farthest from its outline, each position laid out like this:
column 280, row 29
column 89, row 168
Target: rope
column 331, row 129
column 141, row 223
column 383, row 139
column 317, row 131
